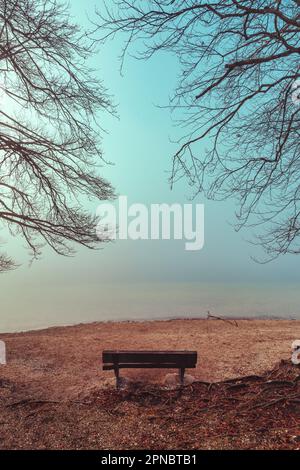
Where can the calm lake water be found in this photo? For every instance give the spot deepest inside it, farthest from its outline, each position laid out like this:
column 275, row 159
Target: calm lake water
column 49, row 306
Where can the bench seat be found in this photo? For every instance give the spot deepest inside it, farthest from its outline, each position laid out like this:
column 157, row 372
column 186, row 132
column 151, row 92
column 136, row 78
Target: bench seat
column 121, row 359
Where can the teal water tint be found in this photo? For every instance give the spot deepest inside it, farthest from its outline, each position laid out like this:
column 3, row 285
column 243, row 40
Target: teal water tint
column 146, row 279
column 67, row 304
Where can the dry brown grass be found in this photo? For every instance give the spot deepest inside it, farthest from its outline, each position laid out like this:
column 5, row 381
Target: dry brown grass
column 53, row 393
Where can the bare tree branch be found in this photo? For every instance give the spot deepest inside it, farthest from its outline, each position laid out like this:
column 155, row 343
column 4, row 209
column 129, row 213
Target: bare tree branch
column 6, row 263
column 49, row 128
column 238, row 95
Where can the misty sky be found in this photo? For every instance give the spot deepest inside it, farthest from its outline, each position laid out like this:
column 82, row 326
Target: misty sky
column 140, row 148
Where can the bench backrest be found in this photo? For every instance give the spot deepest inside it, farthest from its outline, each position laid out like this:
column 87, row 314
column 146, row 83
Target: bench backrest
column 176, row 358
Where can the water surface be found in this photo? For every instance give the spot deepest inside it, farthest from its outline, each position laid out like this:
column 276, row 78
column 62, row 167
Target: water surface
column 49, row 305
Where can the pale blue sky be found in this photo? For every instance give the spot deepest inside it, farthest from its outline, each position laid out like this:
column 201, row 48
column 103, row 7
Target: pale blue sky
column 139, row 146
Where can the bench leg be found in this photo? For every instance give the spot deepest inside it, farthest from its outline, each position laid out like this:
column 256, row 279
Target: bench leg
column 116, row 369
column 181, row 375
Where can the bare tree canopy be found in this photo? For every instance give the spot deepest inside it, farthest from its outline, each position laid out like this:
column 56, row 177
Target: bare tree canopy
column 238, row 91
column 49, row 129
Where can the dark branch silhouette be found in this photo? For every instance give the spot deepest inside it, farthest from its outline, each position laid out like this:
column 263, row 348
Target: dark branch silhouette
column 49, row 128
column 238, row 94
column 6, row 263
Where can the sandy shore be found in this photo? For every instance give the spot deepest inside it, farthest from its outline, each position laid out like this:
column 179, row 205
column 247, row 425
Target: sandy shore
column 65, row 362
column 54, row 395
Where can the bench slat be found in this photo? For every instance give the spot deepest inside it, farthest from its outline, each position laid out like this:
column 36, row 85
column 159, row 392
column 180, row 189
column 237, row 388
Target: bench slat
column 181, row 362
column 145, row 366
column 187, row 357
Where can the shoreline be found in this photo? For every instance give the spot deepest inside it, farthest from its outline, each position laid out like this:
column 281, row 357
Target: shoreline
column 156, row 319
column 47, row 358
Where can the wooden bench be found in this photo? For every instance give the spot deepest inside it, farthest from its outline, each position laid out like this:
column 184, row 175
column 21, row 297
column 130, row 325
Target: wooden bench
column 116, row 360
